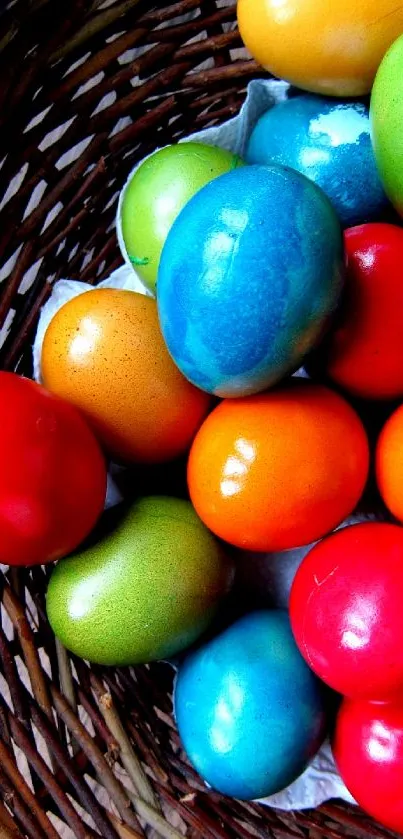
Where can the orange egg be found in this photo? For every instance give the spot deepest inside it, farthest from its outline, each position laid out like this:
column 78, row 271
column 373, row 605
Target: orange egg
column 332, row 47
column 104, row 352
column 389, row 463
column 280, row 469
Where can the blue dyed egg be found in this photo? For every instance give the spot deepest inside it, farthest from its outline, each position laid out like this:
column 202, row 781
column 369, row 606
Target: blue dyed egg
column 250, row 713
column 249, row 274
column 329, row 142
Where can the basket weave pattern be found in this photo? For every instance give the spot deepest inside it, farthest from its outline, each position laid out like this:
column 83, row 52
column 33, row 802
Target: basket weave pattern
column 88, row 88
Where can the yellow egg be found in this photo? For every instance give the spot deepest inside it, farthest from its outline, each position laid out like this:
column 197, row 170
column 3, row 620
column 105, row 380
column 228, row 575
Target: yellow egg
column 332, row 47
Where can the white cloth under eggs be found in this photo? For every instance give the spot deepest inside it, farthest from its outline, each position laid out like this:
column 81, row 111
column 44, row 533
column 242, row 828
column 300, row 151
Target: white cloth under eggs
column 272, row 574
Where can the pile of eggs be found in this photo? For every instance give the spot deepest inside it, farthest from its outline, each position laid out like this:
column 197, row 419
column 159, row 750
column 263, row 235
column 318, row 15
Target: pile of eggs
column 253, row 268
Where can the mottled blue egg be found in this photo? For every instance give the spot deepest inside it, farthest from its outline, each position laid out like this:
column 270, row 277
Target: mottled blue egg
column 328, row 141
column 250, row 713
column 249, row 275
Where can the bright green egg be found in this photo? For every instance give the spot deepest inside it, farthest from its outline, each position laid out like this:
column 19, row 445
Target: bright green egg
column 156, row 194
column 387, row 123
column 146, row 592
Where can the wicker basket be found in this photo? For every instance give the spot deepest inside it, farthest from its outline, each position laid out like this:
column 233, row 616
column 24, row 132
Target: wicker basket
column 94, row 751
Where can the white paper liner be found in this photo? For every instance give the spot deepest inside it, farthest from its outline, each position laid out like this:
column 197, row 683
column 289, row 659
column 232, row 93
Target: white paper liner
column 273, row 574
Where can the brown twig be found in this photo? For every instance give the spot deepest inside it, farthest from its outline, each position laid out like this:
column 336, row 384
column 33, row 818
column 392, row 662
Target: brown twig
column 65, row 675
column 66, row 683
column 105, row 774
column 8, row 827
column 122, row 830
column 20, row 623
column 153, row 818
column 100, row 727
column 18, row 807
column 42, row 771
column 93, row 27
column 23, row 263
column 25, row 793
column 84, row 794
column 129, row 759
column 10, row 672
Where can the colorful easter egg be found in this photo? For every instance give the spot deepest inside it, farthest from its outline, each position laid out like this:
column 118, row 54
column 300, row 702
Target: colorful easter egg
column 250, row 713
column 329, row 48
column 363, row 351
column 104, row 351
column 157, row 192
column 346, row 610
column 146, row 591
column 249, row 275
column 329, row 142
column 368, row 749
column 389, row 463
column 280, row 469
column 387, row 119
column 52, row 476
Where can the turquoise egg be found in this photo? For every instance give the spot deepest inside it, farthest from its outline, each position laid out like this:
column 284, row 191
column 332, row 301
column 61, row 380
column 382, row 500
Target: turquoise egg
column 329, row 141
column 250, row 713
column 250, row 273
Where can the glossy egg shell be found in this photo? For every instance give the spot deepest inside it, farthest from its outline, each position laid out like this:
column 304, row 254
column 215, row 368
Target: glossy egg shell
column 53, row 475
column 368, row 749
column 146, row 591
column 250, row 713
column 329, row 142
column 346, row 610
column 363, row 352
column 389, row 463
column 104, row 352
column 387, row 120
column 157, row 192
column 249, row 275
column 278, row 470
column 329, row 48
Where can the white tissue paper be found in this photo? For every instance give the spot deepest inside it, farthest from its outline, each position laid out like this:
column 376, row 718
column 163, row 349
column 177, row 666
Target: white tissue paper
column 273, row 574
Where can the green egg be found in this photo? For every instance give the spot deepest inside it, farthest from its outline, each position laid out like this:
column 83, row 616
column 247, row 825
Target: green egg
column 387, row 123
column 156, row 194
column 146, row 592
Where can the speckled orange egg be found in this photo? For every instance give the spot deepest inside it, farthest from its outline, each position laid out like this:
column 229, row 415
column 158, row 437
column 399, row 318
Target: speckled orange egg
column 104, row 352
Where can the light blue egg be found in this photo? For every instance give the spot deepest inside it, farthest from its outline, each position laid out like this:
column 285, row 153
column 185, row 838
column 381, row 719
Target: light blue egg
column 250, row 273
column 250, row 713
column 329, row 141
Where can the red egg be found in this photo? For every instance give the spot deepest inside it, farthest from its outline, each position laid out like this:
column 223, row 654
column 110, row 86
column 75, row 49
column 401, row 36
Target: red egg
column 368, row 749
column 364, row 351
column 52, row 474
column 346, row 610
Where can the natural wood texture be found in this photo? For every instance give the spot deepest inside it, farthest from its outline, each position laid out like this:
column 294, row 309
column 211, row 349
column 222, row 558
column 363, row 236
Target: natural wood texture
column 112, row 727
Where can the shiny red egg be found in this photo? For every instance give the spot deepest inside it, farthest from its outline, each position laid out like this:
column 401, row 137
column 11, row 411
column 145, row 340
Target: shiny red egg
column 363, row 353
column 368, row 749
column 346, row 610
